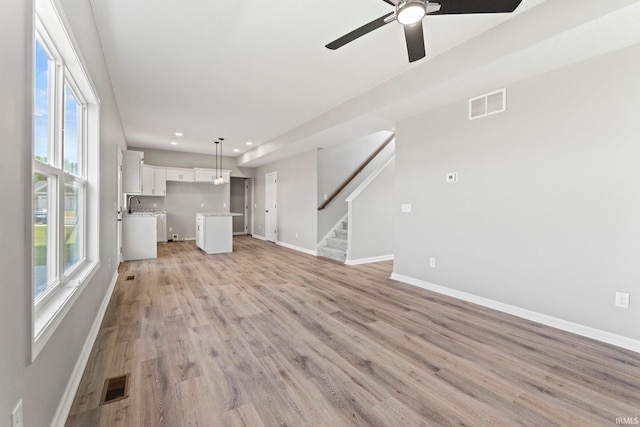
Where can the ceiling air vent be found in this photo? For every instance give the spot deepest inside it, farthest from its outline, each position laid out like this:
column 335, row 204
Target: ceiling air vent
column 487, row 104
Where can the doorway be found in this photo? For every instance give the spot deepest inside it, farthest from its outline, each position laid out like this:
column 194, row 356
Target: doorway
column 241, row 201
column 271, row 207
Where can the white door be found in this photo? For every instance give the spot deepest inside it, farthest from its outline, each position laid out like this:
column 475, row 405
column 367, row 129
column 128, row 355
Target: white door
column 119, row 199
column 248, row 206
column 271, row 207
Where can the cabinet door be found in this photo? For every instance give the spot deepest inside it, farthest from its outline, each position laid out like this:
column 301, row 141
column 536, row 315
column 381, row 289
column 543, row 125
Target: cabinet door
column 132, row 171
column 148, row 180
column 160, row 182
column 204, row 175
column 184, row 175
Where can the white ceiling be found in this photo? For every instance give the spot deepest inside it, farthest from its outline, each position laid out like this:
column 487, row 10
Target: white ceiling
column 258, row 70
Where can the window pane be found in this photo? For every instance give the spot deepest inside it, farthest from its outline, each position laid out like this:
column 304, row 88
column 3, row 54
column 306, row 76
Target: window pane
column 71, row 132
column 41, row 113
column 43, row 235
column 73, row 249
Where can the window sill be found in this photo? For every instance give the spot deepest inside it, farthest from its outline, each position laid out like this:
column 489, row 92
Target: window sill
column 49, row 315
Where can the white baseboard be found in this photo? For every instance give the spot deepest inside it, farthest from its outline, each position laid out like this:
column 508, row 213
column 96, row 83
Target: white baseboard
column 576, row 328
column 369, row 260
column 297, row 248
column 62, row 413
column 259, row 237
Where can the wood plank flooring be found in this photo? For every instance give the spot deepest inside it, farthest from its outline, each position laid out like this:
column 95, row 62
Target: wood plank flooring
column 267, row 336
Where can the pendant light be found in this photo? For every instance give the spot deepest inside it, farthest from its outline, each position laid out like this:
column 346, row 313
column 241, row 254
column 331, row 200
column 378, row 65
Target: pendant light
column 215, row 180
column 220, row 178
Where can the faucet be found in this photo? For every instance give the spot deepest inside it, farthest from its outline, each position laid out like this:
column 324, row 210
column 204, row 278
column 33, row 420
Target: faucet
column 129, row 201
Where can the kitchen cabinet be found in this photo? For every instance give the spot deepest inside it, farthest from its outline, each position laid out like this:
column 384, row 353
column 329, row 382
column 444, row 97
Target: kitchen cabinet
column 132, row 163
column 180, row 174
column 214, row 232
column 161, row 228
column 154, row 181
column 139, row 239
column 208, row 175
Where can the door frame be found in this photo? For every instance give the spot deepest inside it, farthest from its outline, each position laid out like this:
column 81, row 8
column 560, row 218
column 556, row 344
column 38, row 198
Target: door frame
column 119, row 203
column 268, row 187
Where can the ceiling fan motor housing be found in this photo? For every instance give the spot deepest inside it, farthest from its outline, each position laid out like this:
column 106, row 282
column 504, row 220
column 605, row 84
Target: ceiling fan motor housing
column 411, row 11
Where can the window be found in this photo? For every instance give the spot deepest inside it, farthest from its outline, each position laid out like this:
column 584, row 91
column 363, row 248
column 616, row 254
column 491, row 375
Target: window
column 65, row 164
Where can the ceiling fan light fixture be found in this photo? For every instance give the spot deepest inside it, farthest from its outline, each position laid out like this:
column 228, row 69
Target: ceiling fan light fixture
column 411, row 11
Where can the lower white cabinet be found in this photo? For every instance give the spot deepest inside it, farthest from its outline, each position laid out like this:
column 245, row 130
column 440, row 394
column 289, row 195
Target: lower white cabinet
column 161, row 228
column 214, row 233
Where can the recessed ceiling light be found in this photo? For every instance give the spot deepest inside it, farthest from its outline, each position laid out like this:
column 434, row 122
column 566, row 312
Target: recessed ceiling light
column 235, row 150
column 174, row 143
column 178, row 133
column 249, row 143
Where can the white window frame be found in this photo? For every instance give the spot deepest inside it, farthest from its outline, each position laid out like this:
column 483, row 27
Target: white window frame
column 68, row 69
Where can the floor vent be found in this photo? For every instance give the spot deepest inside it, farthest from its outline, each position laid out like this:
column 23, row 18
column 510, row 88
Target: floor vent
column 116, row 388
column 487, row 104
column 130, row 277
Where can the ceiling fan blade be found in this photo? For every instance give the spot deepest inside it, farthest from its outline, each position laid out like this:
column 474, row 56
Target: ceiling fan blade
column 476, row 6
column 390, row 2
column 415, row 41
column 359, row 32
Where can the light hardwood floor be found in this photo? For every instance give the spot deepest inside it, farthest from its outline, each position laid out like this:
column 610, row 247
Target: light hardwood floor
column 267, row 336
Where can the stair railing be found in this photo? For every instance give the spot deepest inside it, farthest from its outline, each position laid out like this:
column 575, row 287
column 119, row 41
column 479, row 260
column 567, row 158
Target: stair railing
column 357, row 171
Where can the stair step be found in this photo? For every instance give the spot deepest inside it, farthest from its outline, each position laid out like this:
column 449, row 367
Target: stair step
column 332, row 253
column 340, row 234
column 338, row 243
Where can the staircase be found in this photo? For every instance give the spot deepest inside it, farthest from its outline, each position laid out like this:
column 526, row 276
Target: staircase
column 336, row 247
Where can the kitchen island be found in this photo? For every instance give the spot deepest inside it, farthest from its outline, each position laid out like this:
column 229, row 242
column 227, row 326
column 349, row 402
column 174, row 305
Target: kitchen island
column 214, row 231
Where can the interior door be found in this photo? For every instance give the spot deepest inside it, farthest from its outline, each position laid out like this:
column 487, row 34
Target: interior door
column 271, row 206
column 119, row 200
column 248, row 206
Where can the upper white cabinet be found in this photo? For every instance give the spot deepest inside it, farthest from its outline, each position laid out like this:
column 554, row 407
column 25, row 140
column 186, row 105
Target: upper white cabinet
column 180, row 174
column 208, row 175
column 132, row 162
column 154, row 182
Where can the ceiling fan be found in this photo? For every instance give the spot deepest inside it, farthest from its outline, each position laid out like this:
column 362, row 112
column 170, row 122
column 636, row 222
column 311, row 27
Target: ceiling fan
column 410, row 13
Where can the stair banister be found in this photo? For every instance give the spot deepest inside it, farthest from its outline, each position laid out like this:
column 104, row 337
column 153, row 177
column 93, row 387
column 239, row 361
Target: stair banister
column 354, row 174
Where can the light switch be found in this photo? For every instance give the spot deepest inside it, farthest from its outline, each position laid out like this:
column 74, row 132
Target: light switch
column 452, row 177
column 406, row 207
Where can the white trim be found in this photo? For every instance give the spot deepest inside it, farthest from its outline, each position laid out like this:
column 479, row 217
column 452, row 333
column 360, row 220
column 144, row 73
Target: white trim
column 239, row 233
column 297, row 248
column 259, row 237
column 62, row 413
column 565, row 325
column 369, row 260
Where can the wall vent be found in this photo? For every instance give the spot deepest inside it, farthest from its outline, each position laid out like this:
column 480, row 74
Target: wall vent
column 487, row 104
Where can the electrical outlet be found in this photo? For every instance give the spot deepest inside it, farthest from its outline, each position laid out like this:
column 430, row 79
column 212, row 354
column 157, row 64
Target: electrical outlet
column 202, row 205
column 296, row 235
column 170, row 229
column 622, row 300
column 405, row 208
column 452, row 177
column 432, row 262
column 224, row 205
column 16, row 416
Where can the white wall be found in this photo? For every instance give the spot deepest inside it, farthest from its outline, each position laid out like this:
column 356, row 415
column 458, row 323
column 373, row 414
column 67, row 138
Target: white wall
column 371, row 218
column 41, row 384
column 296, row 200
column 545, row 214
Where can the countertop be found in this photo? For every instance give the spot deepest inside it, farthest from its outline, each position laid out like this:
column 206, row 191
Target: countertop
column 219, row 214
